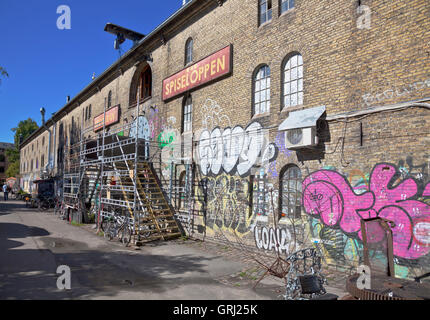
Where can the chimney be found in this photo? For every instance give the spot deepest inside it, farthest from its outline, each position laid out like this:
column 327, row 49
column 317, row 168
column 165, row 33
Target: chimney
column 42, row 112
column 68, row 99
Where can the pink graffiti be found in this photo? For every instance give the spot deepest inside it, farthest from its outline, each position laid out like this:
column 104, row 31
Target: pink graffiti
column 426, row 192
column 329, row 196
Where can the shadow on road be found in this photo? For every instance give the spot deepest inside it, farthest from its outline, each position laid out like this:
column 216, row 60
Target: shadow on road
column 31, row 273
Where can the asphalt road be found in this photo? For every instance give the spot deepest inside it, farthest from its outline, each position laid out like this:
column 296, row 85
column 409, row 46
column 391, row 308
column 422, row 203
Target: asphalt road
column 34, row 244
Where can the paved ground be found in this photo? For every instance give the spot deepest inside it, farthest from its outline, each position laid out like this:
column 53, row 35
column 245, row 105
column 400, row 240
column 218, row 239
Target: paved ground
column 33, row 244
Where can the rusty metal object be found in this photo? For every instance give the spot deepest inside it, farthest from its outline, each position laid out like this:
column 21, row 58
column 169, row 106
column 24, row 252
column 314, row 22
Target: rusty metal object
column 386, row 226
column 363, row 294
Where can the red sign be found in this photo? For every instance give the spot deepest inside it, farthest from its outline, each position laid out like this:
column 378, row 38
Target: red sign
column 210, row 68
column 112, row 116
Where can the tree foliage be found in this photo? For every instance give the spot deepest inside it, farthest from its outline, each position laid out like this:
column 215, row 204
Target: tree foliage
column 3, row 73
column 24, row 129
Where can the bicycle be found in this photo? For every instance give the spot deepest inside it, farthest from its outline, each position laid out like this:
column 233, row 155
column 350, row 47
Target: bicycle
column 118, row 227
column 44, row 204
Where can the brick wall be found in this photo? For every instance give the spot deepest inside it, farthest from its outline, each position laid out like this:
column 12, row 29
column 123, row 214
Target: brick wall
column 346, row 69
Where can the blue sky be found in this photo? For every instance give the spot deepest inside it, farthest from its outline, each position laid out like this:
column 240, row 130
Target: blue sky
column 46, row 64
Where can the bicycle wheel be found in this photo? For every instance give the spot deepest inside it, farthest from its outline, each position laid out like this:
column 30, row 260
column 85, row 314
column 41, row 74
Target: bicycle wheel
column 126, row 234
column 109, row 231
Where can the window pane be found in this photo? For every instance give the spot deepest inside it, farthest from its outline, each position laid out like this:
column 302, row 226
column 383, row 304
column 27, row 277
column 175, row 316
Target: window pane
column 263, row 84
column 263, row 107
column 293, row 86
column 268, row 83
column 300, row 72
column 287, row 88
column 257, row 97
column 284, row 6
column 263, row 95
column 287, row 101
column 257, row 86
column 291, row 4
column 300, row 85
column 293, row 61
column 262, row 18
column 294, row 99
column 300, row 98
column 287, row 76
column 294, row 74
column 269, row 15
column 300, row 59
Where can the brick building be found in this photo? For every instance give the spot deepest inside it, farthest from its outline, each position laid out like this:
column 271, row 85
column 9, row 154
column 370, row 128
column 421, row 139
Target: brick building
column 301, row 118
column 4, row 164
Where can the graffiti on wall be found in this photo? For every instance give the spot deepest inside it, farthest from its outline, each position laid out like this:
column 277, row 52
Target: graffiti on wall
column 224, row 203
column 234, row 150
column 271, row 239
column 213, row 116
column 370, row 98
column 329, row 196
column 282, row 152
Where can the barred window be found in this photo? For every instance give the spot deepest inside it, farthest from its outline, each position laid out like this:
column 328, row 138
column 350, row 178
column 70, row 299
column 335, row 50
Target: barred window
column 265, row 9
column 293, row 81
column 286, row 5
column 262, row 90
column 291, row 192
column 189, row 51
column 187, row 116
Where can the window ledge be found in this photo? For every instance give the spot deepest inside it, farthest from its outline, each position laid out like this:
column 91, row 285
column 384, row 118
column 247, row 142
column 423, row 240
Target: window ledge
column 287, row 12
column 294, row 108
column 264, row 24
column 260, row 115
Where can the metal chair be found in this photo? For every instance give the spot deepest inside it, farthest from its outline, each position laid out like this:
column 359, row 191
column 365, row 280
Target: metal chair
column 304, row 280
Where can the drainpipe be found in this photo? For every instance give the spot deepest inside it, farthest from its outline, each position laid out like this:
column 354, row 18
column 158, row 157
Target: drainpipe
column 42, row 111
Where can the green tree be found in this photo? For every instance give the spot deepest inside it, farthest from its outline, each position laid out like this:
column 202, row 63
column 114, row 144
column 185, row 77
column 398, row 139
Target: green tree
column 3, row 73
column 24, row 129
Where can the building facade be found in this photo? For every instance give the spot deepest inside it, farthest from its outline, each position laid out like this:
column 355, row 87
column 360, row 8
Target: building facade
column 300, row 118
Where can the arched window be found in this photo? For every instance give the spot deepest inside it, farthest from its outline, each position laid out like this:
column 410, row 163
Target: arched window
column 262, row 90
column 42, row 161
column 291, row 192
column 293, row 81
column 189, row 51
column 109, row 102
column 187, row 114
column 145, row 83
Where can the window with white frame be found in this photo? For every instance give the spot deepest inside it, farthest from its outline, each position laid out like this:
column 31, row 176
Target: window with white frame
column 262, row 90
column 291, row 192
column 293, row 81
column 286, row 5
column 187, row 114
column 265, row 10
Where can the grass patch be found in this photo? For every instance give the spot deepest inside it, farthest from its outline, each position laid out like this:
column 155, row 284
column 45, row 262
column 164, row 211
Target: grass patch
column 74, row 223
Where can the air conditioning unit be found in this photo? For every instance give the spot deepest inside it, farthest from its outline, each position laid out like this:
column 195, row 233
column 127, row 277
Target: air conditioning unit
column 301, row 138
